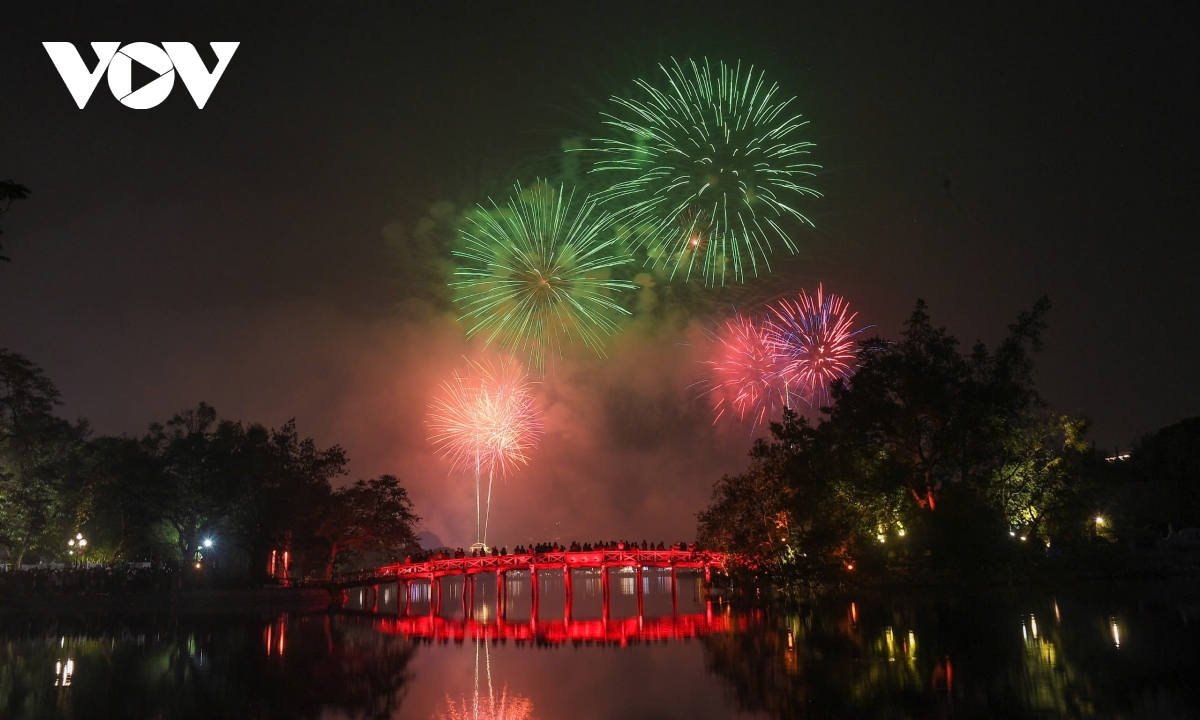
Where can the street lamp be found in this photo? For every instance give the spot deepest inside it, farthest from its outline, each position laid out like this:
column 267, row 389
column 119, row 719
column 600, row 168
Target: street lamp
column 77, row 544
column 208, row 542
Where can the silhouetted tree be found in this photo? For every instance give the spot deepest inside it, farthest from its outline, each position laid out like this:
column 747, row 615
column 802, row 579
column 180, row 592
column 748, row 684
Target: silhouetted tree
column 949, row 450
column 35, row 452
column 370, row 515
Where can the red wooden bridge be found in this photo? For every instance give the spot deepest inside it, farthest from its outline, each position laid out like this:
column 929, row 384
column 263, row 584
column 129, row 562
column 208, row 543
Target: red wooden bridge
column 432, row 571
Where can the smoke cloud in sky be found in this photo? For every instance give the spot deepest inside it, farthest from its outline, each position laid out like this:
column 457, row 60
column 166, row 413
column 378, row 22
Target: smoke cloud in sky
column 283, row 252
column 628, row 448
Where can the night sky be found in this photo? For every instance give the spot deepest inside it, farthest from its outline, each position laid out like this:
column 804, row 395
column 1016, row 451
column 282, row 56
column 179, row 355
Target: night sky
column 255, row 254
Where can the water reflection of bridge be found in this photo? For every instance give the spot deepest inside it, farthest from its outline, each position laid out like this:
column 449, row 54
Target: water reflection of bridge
column 606, row 596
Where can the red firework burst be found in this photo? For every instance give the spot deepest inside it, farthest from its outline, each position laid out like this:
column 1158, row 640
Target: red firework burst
column 812, row 339
column 746, row 378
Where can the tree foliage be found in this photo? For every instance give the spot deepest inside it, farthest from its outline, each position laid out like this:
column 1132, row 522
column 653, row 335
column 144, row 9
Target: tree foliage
column 35, row 452
column 947, row 455
column 249, row 488
column 370, row 515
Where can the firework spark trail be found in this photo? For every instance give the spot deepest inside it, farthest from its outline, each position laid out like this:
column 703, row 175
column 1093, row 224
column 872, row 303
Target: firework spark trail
column 486, row 419
column 535, row 276
column 813, row 338
column 708, row 170
column 746, row 379
column 502, row 708
column 505, row 707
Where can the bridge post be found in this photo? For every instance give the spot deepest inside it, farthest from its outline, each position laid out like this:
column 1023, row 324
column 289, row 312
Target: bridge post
column 468, row 595
column 375, row 599
column 533, row 580
column 567, row 587
column 639, row 588
column 500, row 591
column 674, row 591
column 604, row 593
column 435, row 595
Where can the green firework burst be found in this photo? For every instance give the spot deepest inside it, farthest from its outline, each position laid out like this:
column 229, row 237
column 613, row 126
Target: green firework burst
column 535, row 275
column 708, row 170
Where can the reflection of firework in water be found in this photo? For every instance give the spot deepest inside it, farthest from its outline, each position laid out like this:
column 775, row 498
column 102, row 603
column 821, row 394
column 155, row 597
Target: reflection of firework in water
column 486, row 418
column 491, row 707
column 814, row 342
column 707, row 167
column 501, row 708
column 746, row 379
column 535, row 276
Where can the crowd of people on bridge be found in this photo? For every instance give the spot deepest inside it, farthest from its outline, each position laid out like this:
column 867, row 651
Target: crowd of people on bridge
column 551, row 547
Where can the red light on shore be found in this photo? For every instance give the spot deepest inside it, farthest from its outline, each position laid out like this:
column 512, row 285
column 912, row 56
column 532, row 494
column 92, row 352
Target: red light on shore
column 849, row 566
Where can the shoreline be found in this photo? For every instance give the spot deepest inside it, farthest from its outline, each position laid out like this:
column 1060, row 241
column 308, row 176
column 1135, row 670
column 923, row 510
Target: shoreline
column 251, row 600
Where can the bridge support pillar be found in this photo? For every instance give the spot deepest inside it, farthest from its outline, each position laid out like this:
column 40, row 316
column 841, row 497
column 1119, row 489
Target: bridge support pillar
column 567, row 587
column 604, row 594
column 402, row 588
column 533, row 581
column 468, row 595
column 501, row 592
column 638, row 589
column 674, row 591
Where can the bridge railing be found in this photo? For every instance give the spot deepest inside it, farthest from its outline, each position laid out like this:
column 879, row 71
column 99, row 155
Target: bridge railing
column 550, row 561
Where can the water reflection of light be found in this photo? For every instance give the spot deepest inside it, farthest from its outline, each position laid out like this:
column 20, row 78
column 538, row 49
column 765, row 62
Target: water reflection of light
column 273, row 636
column 502, row 708
column 1116, row 634
column 1033, row 625
column 853, row 613
column 1057, row 616
column 891, row 644
column 64, row 673
column 628, row 586
column 491, row 707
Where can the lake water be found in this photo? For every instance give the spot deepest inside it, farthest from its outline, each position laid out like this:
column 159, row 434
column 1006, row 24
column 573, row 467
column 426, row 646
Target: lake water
column 1079, row 651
